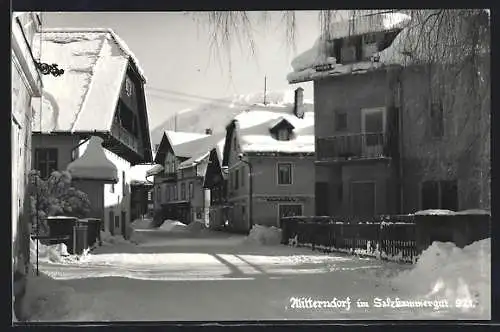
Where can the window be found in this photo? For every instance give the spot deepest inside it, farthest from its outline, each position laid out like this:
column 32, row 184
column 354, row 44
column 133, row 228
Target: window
column 150, row 195
column 242, row 177
column 183, row 191
column 124, row 184
column 340, row 121
column 191, row 190
column 437, row 120
column 439, row 195
column 176, row 195
column 117, row 221
column 284, row 173
column 283, row 135
column 46, row 161
column 236, row 178
column 243, row 212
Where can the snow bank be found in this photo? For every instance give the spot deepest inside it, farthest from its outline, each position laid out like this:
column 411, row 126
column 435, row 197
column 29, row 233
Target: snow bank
column 142, row 224
column 109, row 240
column 172, row 225
column 93, row 164
column 47, row 299
column 57, row 253
column 445, row 271
column 195, row 227
column 264, row 235
column 451, row 213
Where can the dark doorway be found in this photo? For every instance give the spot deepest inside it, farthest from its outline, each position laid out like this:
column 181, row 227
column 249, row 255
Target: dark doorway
column 124, row 224
column 363, row 199
column 322, row 198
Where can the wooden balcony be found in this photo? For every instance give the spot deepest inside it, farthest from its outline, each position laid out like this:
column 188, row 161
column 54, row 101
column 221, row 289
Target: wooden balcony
column 126, row 138
column 346, row 147
column 169, row 177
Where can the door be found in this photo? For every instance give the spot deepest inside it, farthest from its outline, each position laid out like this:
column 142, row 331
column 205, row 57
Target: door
column 289, row 210
column 373, row 125
column 322, row 199
column 363, row 199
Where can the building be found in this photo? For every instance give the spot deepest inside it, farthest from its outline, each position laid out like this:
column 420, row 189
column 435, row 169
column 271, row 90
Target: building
column 26, row 85
column 269, row 154
column 179, row 193
column 386, row 140
column 101, row 95
column 141, row 200
column 216, row 181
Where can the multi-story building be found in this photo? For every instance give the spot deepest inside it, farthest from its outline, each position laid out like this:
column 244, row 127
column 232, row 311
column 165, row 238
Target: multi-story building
column 101, row 94
column 178, row 190
column 216, row 181
column 395, row 134
column 269, row 154
column 26, row 85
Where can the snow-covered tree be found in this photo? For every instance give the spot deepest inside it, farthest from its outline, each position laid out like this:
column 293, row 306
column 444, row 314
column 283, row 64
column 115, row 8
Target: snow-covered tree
column 55, row 197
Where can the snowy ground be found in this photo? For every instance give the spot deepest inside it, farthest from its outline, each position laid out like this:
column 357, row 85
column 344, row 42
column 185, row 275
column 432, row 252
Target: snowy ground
column 203, row 275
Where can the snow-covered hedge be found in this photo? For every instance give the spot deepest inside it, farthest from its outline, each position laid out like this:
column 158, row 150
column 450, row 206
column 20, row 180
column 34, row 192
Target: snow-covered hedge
column 447, row 272
column 264, row 235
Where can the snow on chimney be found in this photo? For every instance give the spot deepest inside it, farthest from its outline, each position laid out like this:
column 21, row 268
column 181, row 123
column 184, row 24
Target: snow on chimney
column 298, row 108
column 208, row 131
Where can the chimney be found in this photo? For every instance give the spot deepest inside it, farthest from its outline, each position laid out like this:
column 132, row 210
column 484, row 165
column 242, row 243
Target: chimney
column 298, row 108
column 208, row 131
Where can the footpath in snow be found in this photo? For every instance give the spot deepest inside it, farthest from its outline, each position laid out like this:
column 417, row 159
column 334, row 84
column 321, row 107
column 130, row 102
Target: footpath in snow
column 218, row 276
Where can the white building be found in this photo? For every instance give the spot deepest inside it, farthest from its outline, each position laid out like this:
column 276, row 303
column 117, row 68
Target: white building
column 100, row 94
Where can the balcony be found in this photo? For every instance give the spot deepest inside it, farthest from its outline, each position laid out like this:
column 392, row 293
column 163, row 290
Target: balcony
column 169, row 177
column 126, row 138
column 348, row 147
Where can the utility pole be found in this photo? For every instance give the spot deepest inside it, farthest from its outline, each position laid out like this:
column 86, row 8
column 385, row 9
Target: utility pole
column 265, row 89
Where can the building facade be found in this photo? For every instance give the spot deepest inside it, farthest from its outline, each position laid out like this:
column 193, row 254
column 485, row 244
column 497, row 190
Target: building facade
column 270, row 165
column 26, row 86
column 178, row 184
column 73, row 111
column 392, row 136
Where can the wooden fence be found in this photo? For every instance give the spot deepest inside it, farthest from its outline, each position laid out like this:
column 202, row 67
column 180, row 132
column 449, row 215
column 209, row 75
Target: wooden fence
column 393, row 239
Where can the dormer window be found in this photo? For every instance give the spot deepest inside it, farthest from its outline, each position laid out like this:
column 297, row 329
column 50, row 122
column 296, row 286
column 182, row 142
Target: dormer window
column 283, row 134
column 281, row 129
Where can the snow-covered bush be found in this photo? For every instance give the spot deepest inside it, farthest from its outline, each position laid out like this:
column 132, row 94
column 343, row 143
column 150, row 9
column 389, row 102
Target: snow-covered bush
column 448, row 272
column 56, row 197
column 264, row 235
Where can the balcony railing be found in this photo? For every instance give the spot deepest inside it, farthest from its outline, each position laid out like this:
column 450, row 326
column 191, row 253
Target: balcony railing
column 126, row 138
column 352, row 147
column 169, row 177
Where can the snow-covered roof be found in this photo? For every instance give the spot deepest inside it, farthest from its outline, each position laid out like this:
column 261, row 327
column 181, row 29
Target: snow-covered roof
column 138, row 173
column 197, row 150
column 255, row 135
column 94, row 62
column 93, row 164
column 154, row 170
column 304, row 64
column 439, row 212
column 180, row 137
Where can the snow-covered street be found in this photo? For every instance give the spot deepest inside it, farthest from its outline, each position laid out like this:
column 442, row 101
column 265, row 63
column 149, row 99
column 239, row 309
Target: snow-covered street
column 181, row 275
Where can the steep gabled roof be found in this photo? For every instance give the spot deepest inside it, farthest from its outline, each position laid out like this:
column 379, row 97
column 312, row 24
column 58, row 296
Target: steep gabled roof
column 197, row 150
column 84, row 98
column 254, row 135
